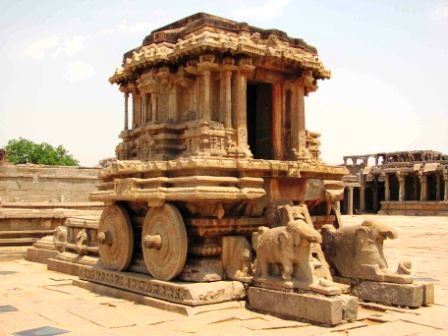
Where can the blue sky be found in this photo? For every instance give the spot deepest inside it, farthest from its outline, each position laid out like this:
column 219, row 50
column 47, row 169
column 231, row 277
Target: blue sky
column 388, row 58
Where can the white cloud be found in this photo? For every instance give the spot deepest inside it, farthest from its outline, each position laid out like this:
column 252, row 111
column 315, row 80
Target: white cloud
column 53, row 46
column 77, row 70
column 263, row 12
column 439, row 12
column 74, row 44
column 41, row 48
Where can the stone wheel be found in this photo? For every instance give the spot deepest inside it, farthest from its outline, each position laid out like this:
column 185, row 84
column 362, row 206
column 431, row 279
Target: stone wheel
column 164, row 242
column 115, row 238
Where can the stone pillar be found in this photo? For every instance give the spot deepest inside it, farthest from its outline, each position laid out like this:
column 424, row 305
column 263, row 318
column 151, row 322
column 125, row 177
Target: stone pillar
column 438, row 178
column 350, row 201
column 301, row 118
column 153, row 106
column 205, row 101
column 386, row 188
column 228, row 99
column 241, row 112
column 445, row 179
column 134, row 110
column 401, row 187
column 143, row 109
column 338, row 206
column 172, row 103
column 423, row 187
column 375, row 195
column 277, row 130
column 126, row 112
column 362, row 194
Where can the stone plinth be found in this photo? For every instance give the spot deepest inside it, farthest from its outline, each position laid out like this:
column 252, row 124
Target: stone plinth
column 414, row 208
column 406, row 295
column 304, row 306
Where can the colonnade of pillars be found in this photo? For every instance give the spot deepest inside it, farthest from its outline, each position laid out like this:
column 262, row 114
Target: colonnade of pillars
column 424, row 187
column 420, row 189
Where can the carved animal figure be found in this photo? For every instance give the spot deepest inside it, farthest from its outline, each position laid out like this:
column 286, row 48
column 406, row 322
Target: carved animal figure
column 60, row 238
column 288, row 247
column 357, row 251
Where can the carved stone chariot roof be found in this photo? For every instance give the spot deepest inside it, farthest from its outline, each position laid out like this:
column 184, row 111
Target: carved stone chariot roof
column 204, row 33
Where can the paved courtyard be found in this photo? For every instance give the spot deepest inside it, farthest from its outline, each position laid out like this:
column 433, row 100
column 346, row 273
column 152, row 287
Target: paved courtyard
column 33, row 297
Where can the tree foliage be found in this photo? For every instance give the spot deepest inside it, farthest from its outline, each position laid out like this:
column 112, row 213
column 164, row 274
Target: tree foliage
column 26, row 151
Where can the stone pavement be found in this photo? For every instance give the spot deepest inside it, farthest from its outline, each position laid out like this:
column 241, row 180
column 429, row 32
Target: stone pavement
column 33, row 297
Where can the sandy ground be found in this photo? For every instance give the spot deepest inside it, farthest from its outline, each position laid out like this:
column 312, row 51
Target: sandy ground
column 33, row 297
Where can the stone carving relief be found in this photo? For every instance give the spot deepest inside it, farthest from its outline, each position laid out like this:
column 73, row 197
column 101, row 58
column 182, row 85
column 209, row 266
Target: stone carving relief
column 81, row 242
column 236, row 258
column 60, row 238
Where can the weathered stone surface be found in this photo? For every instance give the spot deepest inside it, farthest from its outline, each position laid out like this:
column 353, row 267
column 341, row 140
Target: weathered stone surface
column 304, row 306
column 192, row 294
column 39, row 255
column 236, row 258
column 408, row 295
column 357, row 251
column 37, row 183
column 202, row 270
column 62, row 266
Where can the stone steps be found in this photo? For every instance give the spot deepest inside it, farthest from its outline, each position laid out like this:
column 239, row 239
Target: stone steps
column 18, row 241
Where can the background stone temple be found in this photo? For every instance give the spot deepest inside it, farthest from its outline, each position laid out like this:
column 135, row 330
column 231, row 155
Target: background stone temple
column 397, row 183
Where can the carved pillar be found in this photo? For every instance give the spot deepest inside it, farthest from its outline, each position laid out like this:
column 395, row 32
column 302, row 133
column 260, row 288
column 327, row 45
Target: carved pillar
column 153, row 106
column 445, row 179
column 240, row 106
column 350, row 201
column 423, row 187
column 241, row 110
column 401, row 186
column 172, row 103
column 277, row 130
column 228, row 99
column 386, row 187
column 438, row 178
column 144, row 109
column 134, row 110
column 205, row 101
column 126, row 112
column 298, row 131
column 204, row 67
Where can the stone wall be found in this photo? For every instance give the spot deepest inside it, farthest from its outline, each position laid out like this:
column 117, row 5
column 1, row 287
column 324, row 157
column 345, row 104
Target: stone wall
column 36, row 183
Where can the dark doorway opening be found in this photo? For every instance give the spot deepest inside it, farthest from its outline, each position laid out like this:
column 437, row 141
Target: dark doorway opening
column 259, row 119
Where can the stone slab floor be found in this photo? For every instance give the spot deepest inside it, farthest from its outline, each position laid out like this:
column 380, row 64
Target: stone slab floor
column 32, row 297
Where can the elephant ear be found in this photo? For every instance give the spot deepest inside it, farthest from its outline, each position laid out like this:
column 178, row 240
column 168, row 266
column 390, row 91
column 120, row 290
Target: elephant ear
column 362, row 234
column 283, row 239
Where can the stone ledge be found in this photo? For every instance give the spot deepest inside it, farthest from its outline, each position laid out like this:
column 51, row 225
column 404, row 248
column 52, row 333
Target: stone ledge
column 40, row 255
column 412, row 295
column 187, row 293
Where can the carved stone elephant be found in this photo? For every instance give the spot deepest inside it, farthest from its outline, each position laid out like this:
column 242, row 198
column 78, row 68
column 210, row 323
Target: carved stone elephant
column 356, row 251
column 285, row 250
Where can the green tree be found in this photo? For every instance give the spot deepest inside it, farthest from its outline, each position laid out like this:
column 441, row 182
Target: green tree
column 26, row 151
